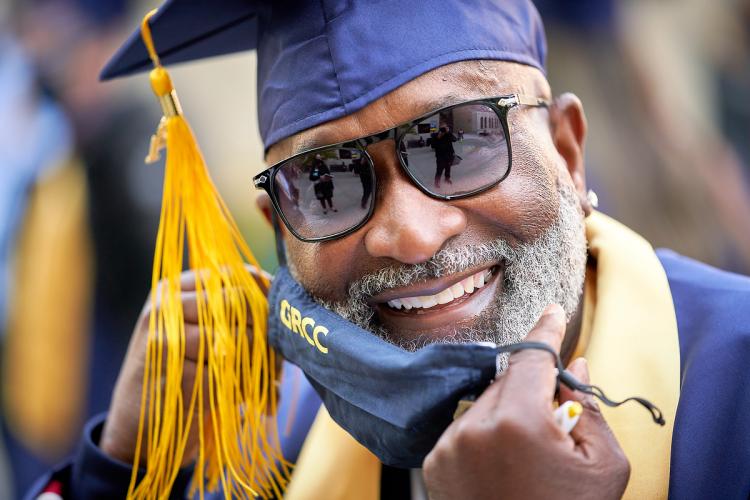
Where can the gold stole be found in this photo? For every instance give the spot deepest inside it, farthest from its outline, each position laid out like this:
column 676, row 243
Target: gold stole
column 47, row 349
column 629, row 337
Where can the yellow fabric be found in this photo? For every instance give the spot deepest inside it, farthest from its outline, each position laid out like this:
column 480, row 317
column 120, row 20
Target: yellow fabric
column 332, row 465
column 46, row 352
column 629, row 337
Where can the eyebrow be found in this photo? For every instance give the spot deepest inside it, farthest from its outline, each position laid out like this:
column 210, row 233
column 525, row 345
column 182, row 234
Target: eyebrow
column 444, row 101
column 308, row 143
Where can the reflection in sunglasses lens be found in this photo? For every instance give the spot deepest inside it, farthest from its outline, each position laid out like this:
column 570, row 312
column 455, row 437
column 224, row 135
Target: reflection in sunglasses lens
column 457, row 151
column 453, row 152
column 325, row 192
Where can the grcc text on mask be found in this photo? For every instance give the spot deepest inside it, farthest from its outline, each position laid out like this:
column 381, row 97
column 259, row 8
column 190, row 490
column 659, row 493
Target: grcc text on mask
column 295, row 323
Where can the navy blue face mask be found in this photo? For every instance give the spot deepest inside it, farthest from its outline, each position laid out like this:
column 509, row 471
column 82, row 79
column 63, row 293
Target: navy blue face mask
column 394, row 402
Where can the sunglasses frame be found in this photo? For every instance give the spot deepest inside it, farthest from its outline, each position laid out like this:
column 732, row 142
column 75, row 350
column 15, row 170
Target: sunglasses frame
column 501, row 105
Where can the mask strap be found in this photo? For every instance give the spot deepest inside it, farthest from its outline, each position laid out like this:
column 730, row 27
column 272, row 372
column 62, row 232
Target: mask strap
column 567, row 379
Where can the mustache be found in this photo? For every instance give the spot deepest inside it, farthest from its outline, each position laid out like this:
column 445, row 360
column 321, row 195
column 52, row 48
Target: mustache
column 551, row 268
column 451, row 259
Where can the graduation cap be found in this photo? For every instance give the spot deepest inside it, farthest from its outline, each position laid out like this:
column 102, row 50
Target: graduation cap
column 317, row 61
column 321, row 60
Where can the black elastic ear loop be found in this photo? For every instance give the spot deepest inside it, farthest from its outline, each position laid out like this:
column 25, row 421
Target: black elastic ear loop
column 567, row 378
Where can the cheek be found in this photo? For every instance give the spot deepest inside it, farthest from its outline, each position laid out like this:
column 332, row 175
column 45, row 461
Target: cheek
column 526, row 203
column 322, row 268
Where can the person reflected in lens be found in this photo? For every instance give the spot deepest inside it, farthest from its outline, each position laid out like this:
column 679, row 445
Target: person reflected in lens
column 365, row 177
column 442, row 143
column 322, row 180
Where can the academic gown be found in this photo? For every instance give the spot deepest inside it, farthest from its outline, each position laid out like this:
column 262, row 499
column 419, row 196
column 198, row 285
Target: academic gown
column 710, row 443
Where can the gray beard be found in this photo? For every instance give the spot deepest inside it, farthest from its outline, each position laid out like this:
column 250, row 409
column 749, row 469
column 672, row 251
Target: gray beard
column 550, row 269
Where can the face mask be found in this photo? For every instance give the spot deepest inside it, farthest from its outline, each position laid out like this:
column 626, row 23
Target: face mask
column 394, row 402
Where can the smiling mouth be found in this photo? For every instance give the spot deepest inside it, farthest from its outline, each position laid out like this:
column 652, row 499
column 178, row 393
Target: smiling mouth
column 434, row 309
column 450, row 295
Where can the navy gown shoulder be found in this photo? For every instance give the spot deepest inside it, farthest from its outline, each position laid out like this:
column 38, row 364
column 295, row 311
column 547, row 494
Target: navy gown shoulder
column 711, row 441
column 92, row 475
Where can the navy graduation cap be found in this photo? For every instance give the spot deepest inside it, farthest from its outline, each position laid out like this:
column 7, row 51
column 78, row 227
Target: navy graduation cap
column 318, row 61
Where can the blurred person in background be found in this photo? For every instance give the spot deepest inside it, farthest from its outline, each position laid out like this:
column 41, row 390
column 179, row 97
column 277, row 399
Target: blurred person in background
column 666, row 155
column 44, row 273
column 82, row 265
column 732, row 64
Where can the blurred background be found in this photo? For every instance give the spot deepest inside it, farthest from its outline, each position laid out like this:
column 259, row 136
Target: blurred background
column 665, row 85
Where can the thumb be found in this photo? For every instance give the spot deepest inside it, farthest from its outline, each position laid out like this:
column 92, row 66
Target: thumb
column 531, row 371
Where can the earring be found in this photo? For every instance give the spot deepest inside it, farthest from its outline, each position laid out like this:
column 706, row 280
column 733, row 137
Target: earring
column 593, row 198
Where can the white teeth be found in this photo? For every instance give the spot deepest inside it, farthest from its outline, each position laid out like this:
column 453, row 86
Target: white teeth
column 445, row 296
column 468, row 284
column 479, row 280
column 465, row 286
column 428, row 301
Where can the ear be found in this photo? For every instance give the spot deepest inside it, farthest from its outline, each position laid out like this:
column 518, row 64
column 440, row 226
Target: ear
column 263, row 201
column 568, row 127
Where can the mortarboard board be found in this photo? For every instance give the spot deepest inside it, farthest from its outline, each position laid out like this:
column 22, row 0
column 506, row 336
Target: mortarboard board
column 318, row 61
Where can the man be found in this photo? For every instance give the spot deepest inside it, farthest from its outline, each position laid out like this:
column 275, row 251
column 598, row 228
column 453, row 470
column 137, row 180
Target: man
column 43, row 205
column 442, row 143
column 320, row 176
column 499, row 258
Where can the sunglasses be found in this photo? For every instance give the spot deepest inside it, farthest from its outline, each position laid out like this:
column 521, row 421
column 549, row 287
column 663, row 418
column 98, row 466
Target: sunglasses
column 451, row 153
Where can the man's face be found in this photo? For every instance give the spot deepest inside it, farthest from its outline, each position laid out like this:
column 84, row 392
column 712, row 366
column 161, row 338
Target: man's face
column 481, row 268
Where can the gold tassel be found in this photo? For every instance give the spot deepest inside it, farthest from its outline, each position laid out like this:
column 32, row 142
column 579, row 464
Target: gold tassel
column 235, row 373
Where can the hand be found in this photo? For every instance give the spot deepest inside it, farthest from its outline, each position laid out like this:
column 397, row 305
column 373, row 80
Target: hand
column 507, row 444
column 121, row 428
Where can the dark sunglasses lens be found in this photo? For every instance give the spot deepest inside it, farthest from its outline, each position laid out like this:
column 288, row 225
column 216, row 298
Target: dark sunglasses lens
column 325, row 192
column 457, row 151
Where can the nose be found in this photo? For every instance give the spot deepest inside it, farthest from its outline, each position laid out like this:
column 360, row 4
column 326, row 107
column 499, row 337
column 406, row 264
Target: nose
column 408, row 225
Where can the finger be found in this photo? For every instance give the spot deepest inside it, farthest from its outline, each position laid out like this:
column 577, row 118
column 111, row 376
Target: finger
column 262, row 277
column 533, row 372
column 579, row 369
column 193, row 343
column 549, row 329
column 187, row 278
column 187, row 281
column 592, row 433
column 190, row 306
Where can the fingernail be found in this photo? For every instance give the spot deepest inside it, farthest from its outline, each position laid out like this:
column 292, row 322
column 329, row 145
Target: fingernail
column 576, row 363
column 553, row 310
column 586, row 378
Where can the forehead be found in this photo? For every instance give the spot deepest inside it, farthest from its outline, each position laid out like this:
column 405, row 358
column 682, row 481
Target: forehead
column 440, row 87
